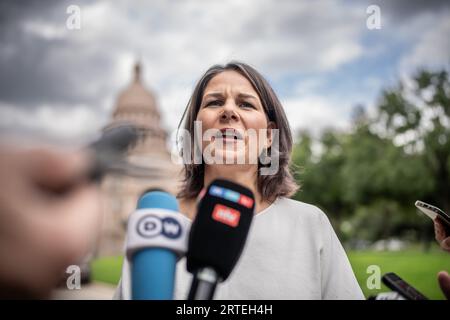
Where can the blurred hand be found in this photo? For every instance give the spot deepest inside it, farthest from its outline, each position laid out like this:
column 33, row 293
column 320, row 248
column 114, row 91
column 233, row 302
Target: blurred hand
column 442, row 237
column 43, row 230
column 444, row 283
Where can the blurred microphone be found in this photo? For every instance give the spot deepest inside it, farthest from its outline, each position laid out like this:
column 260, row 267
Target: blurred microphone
column 112, row 147
column 157, row 238
column 117, row 139
column 218, row 235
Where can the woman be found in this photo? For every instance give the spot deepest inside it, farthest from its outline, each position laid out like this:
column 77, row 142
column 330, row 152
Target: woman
column 292, row 251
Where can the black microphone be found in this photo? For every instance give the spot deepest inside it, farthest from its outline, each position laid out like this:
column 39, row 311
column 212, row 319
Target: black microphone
column 112, row 147
column 218, row 235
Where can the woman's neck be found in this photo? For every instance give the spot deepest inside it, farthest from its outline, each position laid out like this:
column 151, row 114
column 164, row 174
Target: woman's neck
column 243, row 175
column 246, row 176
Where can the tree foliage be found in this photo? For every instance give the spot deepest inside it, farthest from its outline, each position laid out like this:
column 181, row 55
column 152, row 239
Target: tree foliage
column 368, row 179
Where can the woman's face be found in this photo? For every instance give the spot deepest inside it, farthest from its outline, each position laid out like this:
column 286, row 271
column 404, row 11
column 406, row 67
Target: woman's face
column 232, row 108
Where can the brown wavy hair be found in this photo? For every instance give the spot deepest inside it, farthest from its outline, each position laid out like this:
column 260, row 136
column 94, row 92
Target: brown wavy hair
column 270, row 186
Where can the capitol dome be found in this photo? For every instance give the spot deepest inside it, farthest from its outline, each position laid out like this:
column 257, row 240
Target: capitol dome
column 137, row 105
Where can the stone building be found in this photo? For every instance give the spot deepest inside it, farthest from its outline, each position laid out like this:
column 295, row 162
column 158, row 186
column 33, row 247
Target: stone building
column 136, row 104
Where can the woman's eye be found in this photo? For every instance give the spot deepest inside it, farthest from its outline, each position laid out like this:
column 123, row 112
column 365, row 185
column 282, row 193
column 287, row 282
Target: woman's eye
column 213, row 103
column 247, row 105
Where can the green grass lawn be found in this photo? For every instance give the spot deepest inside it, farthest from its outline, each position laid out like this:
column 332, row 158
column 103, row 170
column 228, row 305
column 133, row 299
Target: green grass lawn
column 415, row 267
column 107, row 269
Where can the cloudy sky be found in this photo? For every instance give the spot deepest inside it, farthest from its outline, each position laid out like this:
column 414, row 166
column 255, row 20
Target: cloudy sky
column 319, row 56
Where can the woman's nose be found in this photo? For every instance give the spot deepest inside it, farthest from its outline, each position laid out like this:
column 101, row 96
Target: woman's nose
column 228, row 112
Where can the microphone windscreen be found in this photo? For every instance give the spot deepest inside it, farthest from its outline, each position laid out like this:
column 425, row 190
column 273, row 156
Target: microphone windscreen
column 220, row 228
column 156, row 238
column 117, row 139
column 159, row 200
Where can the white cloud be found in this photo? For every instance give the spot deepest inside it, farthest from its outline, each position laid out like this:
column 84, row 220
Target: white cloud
column 77, row 124
column 186, row 37
column 178, row 40
column 339, row 54
column 432, row 48
column 45, row 29
column 315, row 113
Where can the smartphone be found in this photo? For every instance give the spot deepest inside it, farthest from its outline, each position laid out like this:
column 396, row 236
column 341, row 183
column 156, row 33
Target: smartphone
column 433, row 212
column 397, row 284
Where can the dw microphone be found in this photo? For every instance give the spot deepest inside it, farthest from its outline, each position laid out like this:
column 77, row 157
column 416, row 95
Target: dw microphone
column 157, row 237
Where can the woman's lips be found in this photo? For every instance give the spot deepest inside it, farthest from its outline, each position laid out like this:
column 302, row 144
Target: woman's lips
column 229, row 140
column 230, row 133
column 225, row 139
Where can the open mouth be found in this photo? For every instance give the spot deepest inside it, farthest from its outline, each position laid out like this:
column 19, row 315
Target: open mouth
column 229, row 134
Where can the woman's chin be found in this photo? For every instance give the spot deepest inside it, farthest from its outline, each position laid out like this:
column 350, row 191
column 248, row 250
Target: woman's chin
column 229, row 157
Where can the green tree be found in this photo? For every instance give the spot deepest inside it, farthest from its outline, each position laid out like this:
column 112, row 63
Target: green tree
column 367, row 179
column 320, row 173
column 417, row 116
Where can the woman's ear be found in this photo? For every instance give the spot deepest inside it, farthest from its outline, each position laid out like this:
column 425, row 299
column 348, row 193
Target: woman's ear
column 270, row 126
